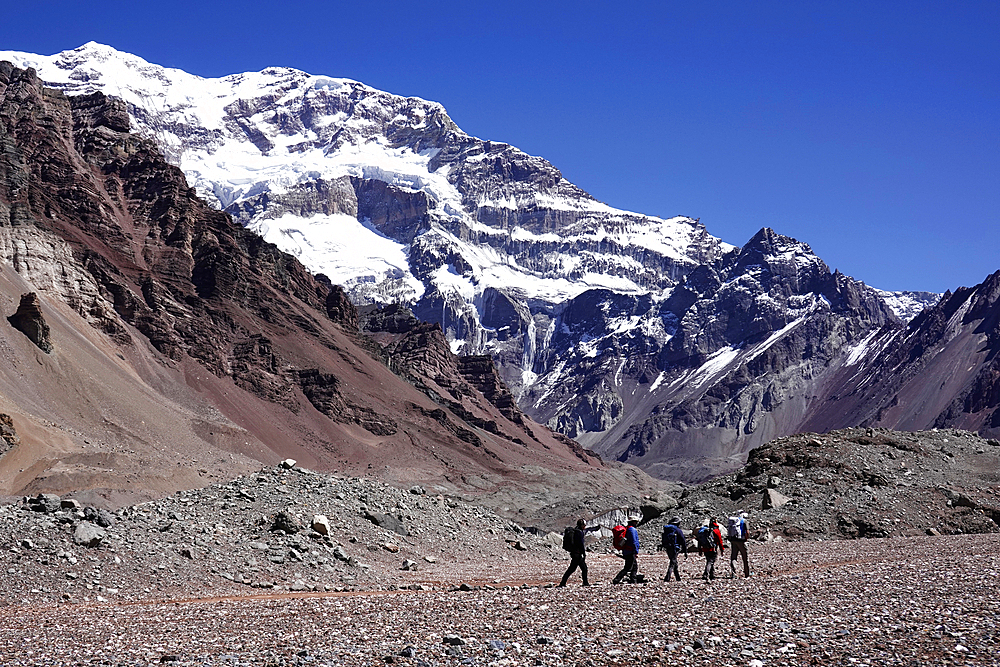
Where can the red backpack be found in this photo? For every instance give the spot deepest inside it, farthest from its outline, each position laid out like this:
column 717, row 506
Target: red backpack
column 618, row 537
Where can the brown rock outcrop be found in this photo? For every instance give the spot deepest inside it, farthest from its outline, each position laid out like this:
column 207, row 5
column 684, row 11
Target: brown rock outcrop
column 29, row 320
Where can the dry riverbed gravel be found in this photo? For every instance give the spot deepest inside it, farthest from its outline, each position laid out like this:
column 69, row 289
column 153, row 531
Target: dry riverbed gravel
column 896, row 601
column 290, row 567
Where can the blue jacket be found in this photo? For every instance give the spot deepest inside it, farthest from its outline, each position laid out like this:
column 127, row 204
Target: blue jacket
column 631, row 541
column 677, row 544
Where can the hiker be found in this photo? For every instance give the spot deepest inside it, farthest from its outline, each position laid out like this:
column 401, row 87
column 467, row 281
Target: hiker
column 710, row 543
column 738, row 533
column 630, row 551
column 577, row 550
column 673, row 541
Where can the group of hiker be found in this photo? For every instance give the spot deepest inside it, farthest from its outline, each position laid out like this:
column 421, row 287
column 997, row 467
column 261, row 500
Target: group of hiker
column 707, row 540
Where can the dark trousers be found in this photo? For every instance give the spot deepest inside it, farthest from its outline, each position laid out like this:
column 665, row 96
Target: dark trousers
column 738, row 548
column 631, row 567
column 576, row 561
column 672, row 567
column 710, row 558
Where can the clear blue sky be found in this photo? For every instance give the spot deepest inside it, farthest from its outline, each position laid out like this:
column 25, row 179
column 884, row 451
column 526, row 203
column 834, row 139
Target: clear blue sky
column 870, row 130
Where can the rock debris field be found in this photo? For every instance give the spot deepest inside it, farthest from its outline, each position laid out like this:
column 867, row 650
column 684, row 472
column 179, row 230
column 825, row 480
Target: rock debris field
column 897, row 601
column 290, row 567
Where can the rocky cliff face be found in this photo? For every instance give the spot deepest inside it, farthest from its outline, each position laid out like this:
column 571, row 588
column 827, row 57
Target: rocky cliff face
column 938, row 371
column 734, row 356
column 186, row 347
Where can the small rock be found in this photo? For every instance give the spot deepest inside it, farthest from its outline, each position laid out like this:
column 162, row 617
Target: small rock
column 320, row 524
column 453, row 640
column 409, row 565
column 288, row 464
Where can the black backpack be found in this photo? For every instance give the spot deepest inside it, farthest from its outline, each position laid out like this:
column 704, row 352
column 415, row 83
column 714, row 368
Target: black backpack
column 569, row 538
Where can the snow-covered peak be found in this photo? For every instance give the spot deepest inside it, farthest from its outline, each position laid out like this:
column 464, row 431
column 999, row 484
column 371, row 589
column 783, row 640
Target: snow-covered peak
column 907, row 305
column 386, row 195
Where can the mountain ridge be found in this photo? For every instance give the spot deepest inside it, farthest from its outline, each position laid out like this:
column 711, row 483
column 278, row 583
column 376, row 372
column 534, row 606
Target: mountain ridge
column 186, row 348
column 513, row 261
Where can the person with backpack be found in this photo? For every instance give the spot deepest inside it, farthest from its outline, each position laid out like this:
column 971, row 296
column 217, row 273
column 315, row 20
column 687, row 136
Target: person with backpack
column 574, row 544
column 709, row 539
column 629, row 545
column 673, row 542
column 738, row 533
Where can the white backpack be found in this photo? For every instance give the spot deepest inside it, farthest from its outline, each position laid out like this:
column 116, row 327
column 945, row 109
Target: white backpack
column 737, row 528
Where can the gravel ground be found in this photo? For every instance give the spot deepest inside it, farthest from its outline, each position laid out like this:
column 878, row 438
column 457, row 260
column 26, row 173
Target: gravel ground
column 895, row 601
column 291, row 567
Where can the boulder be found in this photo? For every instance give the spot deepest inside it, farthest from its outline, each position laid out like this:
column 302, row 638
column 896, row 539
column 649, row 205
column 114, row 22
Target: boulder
column 283, row 521
column 45, row 502
column 321, row 524
column 654, row 508
column 388, row 522
column 773, row 499
column 89, row 535
column 101, row 517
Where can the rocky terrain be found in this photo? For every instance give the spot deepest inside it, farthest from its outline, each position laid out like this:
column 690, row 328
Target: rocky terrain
column 860, row 483
column 287, row 566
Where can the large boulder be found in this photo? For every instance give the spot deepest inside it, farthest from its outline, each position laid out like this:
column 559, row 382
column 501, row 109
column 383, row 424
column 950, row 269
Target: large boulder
column 388, row 522
column 89, row 535
column 773, row 499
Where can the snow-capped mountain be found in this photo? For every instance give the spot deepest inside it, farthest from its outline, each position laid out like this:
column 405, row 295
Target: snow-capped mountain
column 647, row 339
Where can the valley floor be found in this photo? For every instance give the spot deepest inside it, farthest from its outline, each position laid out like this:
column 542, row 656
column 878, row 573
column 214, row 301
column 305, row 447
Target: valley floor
column 897, row 601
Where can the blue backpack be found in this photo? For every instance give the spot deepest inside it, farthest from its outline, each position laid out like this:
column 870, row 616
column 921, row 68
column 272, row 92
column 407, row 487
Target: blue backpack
column 669, row 541
column 704, row 536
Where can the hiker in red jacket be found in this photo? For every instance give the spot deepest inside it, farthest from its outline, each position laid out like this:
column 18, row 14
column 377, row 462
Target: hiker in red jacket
column 710, row 543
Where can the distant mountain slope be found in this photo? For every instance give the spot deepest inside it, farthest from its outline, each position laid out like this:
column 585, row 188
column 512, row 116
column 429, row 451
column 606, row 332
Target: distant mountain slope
column 646, row 339
column 941, row 370
column 185, row 348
